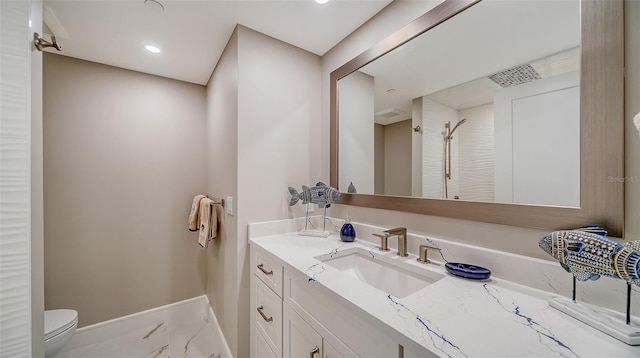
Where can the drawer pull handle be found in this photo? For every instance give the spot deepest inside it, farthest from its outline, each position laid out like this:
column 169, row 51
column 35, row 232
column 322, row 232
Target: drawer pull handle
column 267, row 319
column 314, row 351
column 261, row 268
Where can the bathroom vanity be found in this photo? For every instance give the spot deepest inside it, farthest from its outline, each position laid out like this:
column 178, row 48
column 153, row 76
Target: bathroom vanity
column 294, row 317
column 321, row 297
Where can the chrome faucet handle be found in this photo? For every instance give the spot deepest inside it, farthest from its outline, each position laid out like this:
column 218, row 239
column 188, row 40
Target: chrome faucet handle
column 423, row 249
column 384, row 241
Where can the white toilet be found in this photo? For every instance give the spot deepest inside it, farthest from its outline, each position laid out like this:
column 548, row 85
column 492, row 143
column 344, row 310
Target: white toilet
column 59, row 327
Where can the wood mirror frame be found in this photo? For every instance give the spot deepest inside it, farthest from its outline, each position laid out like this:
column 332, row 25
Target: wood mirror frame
column 601, row 130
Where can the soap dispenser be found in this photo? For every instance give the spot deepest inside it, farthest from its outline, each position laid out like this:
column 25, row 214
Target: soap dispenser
column 347, row 232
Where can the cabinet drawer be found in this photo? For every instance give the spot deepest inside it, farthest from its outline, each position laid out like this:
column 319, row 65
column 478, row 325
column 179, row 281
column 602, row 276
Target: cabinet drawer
column 267, row 316
column 300, row 339
column 267, row 270
column 333, row 319
column 262, row 348
column 330, row 351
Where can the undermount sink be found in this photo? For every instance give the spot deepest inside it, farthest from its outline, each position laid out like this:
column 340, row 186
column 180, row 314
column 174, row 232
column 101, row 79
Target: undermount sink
column 385, row 273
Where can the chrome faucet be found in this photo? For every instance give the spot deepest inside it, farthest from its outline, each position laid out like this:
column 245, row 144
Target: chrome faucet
column 401, row 232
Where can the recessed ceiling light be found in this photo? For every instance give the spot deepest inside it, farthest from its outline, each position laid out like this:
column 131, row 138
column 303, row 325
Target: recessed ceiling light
column 153, row 49
column 322, row 1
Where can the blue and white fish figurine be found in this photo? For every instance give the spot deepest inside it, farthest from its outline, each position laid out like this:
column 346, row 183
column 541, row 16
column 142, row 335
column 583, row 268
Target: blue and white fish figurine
column 321, row 194
column 588, row 254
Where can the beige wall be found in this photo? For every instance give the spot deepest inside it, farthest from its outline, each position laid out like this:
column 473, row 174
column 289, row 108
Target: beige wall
column 397, row 150
column 392, row 157
column 222, row 179
column 512, row 239
column 357, row 157
column 263, row 116
column 416, row 147
column 123, row 158
column 278, row 125
column 378, row 156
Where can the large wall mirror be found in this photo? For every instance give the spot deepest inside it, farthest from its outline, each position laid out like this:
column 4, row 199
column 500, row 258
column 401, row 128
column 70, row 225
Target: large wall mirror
column 499, row 111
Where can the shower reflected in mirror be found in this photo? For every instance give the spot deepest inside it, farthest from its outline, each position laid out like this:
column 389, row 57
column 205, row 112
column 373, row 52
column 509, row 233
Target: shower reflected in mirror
column 447, row 134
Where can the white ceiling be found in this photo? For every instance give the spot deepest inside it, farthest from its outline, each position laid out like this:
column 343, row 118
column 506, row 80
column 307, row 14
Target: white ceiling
column 482, row 90
column 489, row 37
column 193, row 33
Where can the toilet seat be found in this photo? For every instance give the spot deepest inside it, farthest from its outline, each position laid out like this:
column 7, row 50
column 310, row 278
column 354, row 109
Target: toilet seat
column 58, row 321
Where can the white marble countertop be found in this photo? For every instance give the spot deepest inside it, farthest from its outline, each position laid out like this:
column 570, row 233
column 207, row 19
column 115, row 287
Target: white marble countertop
column 453, row 317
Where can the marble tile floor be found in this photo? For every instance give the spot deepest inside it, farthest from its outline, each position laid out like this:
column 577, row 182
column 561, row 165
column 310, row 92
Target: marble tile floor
column 194, row 339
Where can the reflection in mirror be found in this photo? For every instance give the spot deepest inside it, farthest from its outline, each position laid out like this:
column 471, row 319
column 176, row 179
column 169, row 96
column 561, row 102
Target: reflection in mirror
column 484, row 107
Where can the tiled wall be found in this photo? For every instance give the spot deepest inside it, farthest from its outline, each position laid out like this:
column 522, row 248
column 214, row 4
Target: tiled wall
column 434, row 118
column 472, row 152
column 476, row 154
column 15, row 180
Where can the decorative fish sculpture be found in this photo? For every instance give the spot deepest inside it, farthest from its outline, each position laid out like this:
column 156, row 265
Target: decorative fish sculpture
column 588, row 254
column 321, row 194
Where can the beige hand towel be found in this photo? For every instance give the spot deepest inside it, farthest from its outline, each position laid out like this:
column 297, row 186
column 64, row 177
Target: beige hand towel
column 208, row 222
column 194, row 224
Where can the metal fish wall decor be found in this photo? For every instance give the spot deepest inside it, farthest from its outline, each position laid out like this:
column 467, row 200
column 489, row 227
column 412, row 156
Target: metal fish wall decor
column 321, row 194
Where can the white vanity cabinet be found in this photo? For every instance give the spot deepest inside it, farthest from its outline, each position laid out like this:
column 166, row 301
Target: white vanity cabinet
column 301, row 340
column 260, row 348
column 266, row 306
column 348, row 333
column 292, row 316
